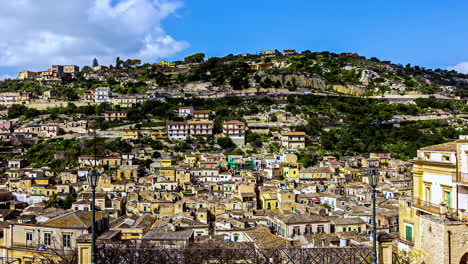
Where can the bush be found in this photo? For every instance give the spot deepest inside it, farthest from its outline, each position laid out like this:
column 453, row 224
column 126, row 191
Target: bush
column 225, row 142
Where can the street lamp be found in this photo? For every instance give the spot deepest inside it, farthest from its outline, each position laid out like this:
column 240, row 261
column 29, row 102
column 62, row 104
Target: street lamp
column 93, row 178
column 373, row 178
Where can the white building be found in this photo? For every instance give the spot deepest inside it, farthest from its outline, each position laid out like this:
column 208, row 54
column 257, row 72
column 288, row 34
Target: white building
column 102, row 95
column 185, row 111
column 177, row 130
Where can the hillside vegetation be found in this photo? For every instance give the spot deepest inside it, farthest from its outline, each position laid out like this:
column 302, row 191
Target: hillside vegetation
column 315, row 71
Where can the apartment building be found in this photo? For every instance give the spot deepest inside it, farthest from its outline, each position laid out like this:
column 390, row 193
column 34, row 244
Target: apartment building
column 56, row 68
column 177, row 130
column 125, row 101
column 433, row 223
column 48, row 75
column 293, row 140
column 44, row 130
column 201, row 114
column 71, row 69
column 102, row 95
column 202, row 129
column 9, row 98
column 115, row 115
column 185, row 111
column 24, row 75
column 270, row 52
column 100, row 68
column 235, row 130
column 289, row 52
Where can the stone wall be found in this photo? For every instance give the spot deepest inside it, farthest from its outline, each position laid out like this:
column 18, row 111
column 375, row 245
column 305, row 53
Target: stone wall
column 435, row 241
column 41, row 105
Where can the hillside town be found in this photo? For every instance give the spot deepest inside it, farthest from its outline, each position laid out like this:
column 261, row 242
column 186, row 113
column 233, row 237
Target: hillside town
column 195, row 177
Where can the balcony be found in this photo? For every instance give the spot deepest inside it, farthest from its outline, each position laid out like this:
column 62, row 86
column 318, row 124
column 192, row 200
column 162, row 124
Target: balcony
column 437, row 209
column 459, row 177
column 426, row 206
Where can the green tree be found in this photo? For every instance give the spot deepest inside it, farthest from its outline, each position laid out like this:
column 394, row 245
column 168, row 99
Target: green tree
column 118, row 63
column 16, row 111
column 95, row 62
column 195, row 58
column 225, row 142
column 238, row 151
column 254, row 139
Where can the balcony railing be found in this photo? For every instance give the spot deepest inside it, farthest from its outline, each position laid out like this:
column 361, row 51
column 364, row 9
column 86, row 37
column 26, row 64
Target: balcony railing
column 459, row 177
column 426, row 206
column 437, row 209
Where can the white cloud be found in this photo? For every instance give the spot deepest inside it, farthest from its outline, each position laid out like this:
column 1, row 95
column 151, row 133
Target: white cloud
column 36, row 34
column 461, row 67
column 7, row 76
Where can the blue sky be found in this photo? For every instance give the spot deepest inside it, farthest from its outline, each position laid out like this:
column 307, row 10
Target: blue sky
column 427, row 33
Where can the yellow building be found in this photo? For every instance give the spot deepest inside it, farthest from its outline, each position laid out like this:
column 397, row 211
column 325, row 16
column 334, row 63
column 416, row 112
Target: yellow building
column 27, row 75
column 166, row 64
column 191, row 160
column 354, row 174
column 290, row 172
column 125, row 102
column 166, row 163
column 128, row 172
column 269, row 198
column 158, row 135
column 356, row 224
column 23, row 241
column 115, row 115
column 433, row 223
column 130, row 134
column 112, row 161
column 168, row 172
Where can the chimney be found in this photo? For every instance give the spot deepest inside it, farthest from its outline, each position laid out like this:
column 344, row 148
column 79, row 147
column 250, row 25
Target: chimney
column 344, row 242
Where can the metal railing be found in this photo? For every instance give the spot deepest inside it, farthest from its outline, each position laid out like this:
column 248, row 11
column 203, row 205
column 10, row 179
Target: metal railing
column 441, row 210
column 7, row 260
column 459, row 177
column 154, row 254
column 426, row 206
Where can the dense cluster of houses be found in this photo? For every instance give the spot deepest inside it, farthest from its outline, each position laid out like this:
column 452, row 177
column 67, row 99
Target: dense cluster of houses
column 192, row 197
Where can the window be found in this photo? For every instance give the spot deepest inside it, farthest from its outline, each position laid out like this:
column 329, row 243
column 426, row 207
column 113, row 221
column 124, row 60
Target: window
column 47, row 237
column 344, row 229
column 66, row 241
column 296, row 231
column 320, row 229
column 448, row 199
column 428, row 194
column 409, row 232
column 29, row 237
column 308, row 230
column 446, row 158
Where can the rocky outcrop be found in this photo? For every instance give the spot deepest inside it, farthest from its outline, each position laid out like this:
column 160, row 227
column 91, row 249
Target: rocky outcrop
column 349, row 89
column 367, row 76
column 300, row 81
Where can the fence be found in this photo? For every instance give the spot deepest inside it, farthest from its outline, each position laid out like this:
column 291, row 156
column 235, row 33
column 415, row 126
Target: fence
column 118, row 254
